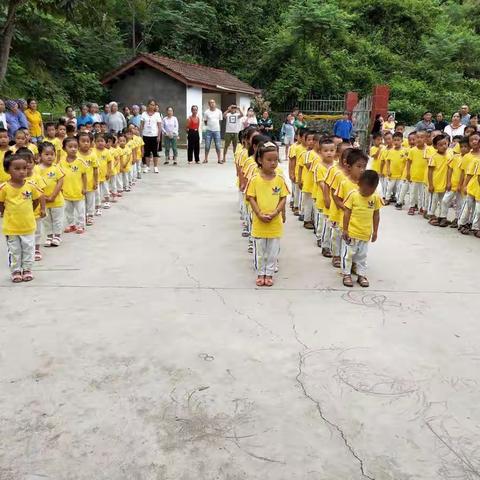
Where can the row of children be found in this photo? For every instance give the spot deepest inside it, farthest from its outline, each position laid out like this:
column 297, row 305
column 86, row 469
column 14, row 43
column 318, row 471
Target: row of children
column 436, row 172
column 59, row 186
column 333, row 194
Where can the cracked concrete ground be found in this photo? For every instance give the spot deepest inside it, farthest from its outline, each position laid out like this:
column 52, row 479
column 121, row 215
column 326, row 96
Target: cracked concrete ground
column 143, row 351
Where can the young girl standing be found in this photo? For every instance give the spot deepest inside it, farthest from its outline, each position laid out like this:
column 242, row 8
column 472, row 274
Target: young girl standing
column 53, row 181
column 104, row 160
column 267, row 194
column 18, row 199
column 74, row 187
column 90, row 160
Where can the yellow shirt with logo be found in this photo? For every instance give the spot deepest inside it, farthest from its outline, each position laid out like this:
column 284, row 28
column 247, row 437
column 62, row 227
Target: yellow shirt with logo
column 104, row 161
column 125, row 159
column 343, row 189
column 319, row 175
column 375, row 165
column 299, row 151
column 360, row 226
column 455, row 164
column 51, row 176
column 397, row 159
column 4, row 176
column 334, row 212
column 418, row 164
column 72, row 183
column 18, row 216
column 39, row 182
column 267, row 194
column 90, row 160
column 440, row 164
column 307, row 173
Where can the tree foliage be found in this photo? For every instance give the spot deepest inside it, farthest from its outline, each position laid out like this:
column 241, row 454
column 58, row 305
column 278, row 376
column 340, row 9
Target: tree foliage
column 428, row 51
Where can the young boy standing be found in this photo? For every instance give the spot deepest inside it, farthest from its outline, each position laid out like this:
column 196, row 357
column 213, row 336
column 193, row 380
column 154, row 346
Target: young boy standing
column 361, row 219
column 395, row 160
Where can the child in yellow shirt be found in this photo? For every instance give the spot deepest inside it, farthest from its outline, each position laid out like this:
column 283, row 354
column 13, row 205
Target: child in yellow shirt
column 4, row 148
column 376, row 152
column 74, row 187
column 416, row 167
column 437, row 178
column 395, row 160
column 388, row 141
column 267, row 194
column 104, row 161
column 305, row 180
column 132, row 144
column 18, row 200
column 53, row 182
column 361, row 219
column 113, row 182
column 293, row 167
column 86, row 154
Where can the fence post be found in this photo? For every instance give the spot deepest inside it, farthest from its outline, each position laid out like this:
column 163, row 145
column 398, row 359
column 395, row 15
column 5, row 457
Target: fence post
column 351, row 99
column 381, row 95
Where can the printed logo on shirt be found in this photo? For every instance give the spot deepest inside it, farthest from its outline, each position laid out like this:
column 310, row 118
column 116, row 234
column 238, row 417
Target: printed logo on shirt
column 276, row 190
column 51, row 174
column 27, row 195
column 371, row 204
column 74, row 168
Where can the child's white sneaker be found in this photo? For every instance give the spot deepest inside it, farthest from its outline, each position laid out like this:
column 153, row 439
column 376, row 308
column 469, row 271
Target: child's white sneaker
column 155, row 170
column 98, row 212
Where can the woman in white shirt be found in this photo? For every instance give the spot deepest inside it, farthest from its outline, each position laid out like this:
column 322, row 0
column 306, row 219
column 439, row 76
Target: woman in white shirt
column 151, row 129
column 455, row 127
column 170, row 132
column 250, row 118
column 3, row 117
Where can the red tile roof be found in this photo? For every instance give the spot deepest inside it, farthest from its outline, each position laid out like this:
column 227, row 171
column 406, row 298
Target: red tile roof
column 187, row 73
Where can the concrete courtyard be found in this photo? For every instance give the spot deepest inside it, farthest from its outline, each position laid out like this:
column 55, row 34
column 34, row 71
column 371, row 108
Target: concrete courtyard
column 143, row 350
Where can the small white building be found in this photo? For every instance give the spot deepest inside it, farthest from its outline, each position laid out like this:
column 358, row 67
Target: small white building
column 177, row 84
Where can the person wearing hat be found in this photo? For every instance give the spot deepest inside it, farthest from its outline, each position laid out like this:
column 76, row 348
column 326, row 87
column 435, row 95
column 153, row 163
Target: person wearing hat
column 15, row 118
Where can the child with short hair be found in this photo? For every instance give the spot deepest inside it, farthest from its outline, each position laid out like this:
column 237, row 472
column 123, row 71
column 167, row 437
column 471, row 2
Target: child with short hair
column 113, row 182
column 267, row 194
column 125, row 153
column 305, row 181
column 388, row 141
column 132, row 144
column 376, row 151
column 89, row 158
column 104, row 161
column 61, row 135
column 437, row 178
column 74, row 187
column 53, row 182
column 416, row 168
column 395, row 160
column 361, row 219
column 18, row 200
column 294, row 166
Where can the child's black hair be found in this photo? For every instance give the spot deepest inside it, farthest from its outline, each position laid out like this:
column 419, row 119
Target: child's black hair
column 264, row 147
column 84, row 134
column 3, row 130
column 9, row 158
column 464, row 141
column 255, row 141
column 50, row 124
column 438, row 138
column 68, row 140
column 457, row 138
column 109, row 136
column 101, row 123
column 412, row 133
column 397, row 135
column 120, row 135
column 385, row 134
column 88, row 122
column 20, row 130
column 377, row 135
column 326, row 140
column 301, row 132
column 309, row 132
column 70, row 128
column 100, row 135
column 369, row 178
column 25, row 153
column 43, row 145
column 400, row 124
column 355, row 155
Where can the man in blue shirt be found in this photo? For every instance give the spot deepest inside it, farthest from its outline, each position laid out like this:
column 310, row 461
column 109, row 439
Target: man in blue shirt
column 85, row 117
column 343, row 128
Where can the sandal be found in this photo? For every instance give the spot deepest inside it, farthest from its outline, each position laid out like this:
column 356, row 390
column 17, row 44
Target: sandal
column 477, row 234
column 205, row 161
column 38, row 255
column 443, row 222
column 336, row 262
column 48, row 242
column 80, row 230
column 363, row 282
column 17, row 277
column 268, row 281
column 260, row 281
column 89, row 222
column 454, row 224
column 464, row 230
column 27, row 276
column 411, row 211
column 347, row 281
column 434, row 222
column 70, row 229
column 326, row 252
column 308, row 225
column 56, row 240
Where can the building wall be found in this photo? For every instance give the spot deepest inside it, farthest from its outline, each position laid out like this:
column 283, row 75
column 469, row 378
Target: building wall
column 146, row 83
column 195, row 97
column 243, row 101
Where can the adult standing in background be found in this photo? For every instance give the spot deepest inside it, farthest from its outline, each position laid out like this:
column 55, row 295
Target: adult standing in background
column 389, row 124
column 464, row 115
column 343, row 128
column 95, row 113
column 440, row 122
column 426, row 122
column 300, row 121
column 84, row 116
column 474, row 121
column 232, row 126
column 287, row 133
column 35, row 122
column 265, row 125
column 193, row 136
column 127, row 114
column 70, row 115
column 15, row 118
column 3, row 117
column 377, row 124
column 170, row 132
column 150, row 130
column 105, row 113
column 455, row 127
column 116, row 121
column 136, row 116
column 212, row 118
column 250, row 119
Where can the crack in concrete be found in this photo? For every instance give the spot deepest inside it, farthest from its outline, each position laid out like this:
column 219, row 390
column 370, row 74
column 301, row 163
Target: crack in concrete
column 191, row 277
column 294, row 327
column 331, row 424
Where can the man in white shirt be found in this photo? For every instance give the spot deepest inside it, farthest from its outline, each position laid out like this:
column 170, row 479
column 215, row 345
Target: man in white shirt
column 232, row 127
column 212, row 118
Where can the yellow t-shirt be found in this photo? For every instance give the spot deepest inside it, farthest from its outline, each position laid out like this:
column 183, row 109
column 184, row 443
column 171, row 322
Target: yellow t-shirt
column 51, row 176
column 375, row 165
column 309, row 159
column 343, row 190
column 126, row 159
column 267, row 194
column 473, row 164
column 133, row 147
column 18, row 217
column 418, row 164
column 397, row 160
column 247, row 164
column 104, row 159
column 360, row 226
column 140, row 143
column 57, row 143
column 292, row 150
column 90, row 160
column 334, row 212
column 440, row 162
column 383, row 158
column 455, row 163
column 238, row 150
column 31, row 146
column 405, row 143
column 72, row 183
column 243, row 158
column 114, row 151
column 299, row 150
column 4, row 176
column 39, row 182
column 34, row 122
column 319, row 175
